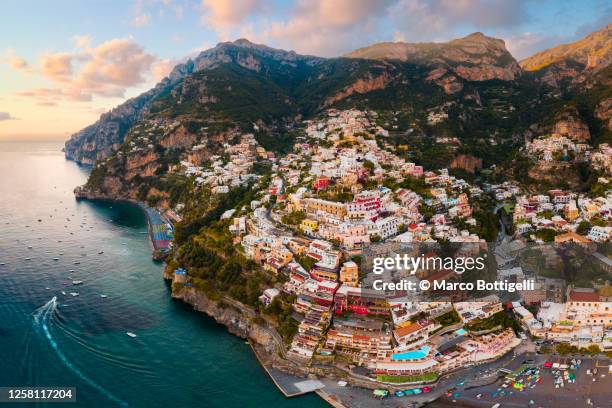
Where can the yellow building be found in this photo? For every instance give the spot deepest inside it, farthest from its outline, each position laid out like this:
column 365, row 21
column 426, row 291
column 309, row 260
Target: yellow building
column 349, row 274
column 312, row 205
column 309, row 226
column 571, row 212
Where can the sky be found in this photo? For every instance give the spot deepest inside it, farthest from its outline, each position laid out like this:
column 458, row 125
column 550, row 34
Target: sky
column 65, row 62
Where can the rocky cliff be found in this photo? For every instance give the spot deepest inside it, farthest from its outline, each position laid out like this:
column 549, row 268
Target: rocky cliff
column 572, row 62
column 472, row 58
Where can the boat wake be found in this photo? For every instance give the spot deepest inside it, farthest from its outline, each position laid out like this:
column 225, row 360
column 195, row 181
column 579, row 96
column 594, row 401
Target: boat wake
column 42, row 318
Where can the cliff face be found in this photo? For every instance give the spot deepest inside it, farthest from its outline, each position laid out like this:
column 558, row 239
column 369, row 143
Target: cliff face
column 472, row 58
column 572, row 62
column 237, row 317
column 466, row 162
column 104, row 137
column 572, row 126
column 603, row 112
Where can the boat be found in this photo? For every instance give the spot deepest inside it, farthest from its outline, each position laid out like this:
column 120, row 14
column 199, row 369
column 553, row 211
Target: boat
column 77, row 282
column 72, row 270
column 28, row 259
column 56, row 259
column 63, row 293
column 100, row 253
column 74, row 294
column 130, row 334
column 103, row 296
column 76, row 263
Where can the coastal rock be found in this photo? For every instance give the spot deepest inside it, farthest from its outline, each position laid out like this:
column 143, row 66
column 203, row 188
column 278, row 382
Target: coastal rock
column 237, row 317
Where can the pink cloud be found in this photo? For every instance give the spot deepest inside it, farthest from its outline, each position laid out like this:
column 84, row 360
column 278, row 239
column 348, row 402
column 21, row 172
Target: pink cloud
column 57, row 67
column 106, row 70
column 223, row 15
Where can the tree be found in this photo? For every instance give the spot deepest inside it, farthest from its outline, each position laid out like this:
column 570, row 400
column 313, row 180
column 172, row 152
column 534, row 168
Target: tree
column 375, row 238
column 594, row 349
column 583, row 228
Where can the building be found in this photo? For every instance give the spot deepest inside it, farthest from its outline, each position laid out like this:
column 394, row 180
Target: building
column 349, row 274
column 268, row 296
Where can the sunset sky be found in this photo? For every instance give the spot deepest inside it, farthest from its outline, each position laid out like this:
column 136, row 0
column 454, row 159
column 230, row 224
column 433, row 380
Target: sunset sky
column 63, row 63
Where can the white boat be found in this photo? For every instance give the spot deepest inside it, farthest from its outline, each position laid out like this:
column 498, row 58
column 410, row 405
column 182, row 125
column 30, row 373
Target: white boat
column 63, row 293
column 74, row 294
column 103, row 296
column 28, row 259
column 77, row 282
column 72, row 270
column 130, row 334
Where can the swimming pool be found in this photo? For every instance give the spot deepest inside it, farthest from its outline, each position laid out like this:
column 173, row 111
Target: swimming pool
column 412, row 355
column 461, row 332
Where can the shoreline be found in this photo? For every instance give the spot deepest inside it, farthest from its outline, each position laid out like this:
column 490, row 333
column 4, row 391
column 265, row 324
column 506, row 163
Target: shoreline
column 79, row 194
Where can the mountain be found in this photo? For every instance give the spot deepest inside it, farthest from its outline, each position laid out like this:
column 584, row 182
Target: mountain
column 241, row 82
column 473, row 58
column 572, row 62
column 488, row 104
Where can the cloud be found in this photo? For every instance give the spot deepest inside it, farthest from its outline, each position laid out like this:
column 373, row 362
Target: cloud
column 223, row 15
column 112, row 67
column 15, row 61
column 50, row 96
column 141, row 18
column 106, row 70
column 328, row 27
column 82, row 41
column 526, row 44
column 57, row 67
column 425, row 20
column 162, row 68
column 6, row 116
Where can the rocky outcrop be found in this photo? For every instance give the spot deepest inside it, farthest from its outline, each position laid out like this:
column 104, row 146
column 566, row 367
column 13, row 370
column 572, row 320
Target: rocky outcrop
column 237, row 317
column 180, row 137
column 466, row 162
column 361, row 86
column 572, row 63
column 603, row 112
column 104, row 137
column 447, row 81
column 473, row 58
column 592, row 52
column 573, row 127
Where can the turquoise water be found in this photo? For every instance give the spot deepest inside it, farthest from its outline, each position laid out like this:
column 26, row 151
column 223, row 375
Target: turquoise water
column 412, row 355
column 461, row 332
column 178, row 359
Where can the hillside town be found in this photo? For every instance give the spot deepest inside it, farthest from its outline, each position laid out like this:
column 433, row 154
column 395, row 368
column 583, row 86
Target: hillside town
column 341, row 190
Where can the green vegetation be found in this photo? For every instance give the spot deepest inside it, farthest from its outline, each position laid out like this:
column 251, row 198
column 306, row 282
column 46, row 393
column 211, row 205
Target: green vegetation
column 566, row 348
column 499, row 319
column 426, row 377
column 448, row 318
column 281, row 308
column 293, row 218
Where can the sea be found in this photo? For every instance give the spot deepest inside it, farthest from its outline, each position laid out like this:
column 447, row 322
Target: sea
column 57, row 334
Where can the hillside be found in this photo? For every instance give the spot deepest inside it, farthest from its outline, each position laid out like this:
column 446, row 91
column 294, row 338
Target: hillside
column 470, row 90
column 574, row 63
